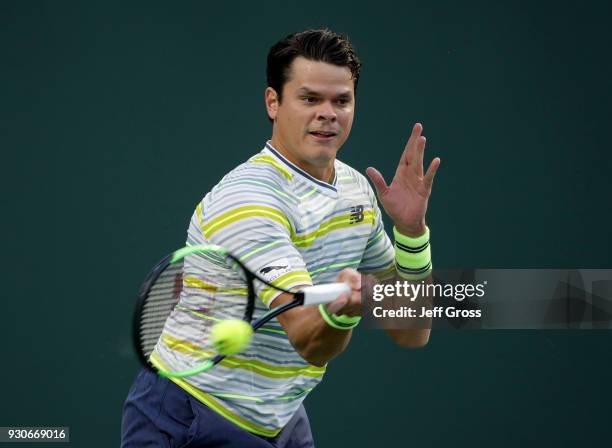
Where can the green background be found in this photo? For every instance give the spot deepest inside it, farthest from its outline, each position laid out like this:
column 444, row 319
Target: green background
column 116, row 119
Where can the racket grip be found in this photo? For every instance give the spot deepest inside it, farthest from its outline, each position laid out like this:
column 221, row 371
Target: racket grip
column 313, row 295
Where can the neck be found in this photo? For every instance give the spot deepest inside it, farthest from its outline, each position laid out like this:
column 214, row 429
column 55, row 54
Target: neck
column 323, row 173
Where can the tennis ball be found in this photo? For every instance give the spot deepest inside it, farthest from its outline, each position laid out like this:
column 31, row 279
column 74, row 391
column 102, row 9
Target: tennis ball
column 231, row 336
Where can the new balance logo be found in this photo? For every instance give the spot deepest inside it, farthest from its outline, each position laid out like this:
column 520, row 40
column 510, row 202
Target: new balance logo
column 356, row 214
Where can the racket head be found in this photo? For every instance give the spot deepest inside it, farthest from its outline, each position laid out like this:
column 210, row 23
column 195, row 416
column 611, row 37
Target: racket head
column 220, row 288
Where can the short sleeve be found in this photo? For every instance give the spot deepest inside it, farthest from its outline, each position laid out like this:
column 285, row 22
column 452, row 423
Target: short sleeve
column 255, row 226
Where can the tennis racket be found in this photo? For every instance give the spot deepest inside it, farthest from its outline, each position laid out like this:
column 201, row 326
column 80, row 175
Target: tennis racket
column 191, row 291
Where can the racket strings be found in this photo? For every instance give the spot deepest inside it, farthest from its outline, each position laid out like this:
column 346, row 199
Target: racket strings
column 187, row 299
column 215, row 287
column 163, row 296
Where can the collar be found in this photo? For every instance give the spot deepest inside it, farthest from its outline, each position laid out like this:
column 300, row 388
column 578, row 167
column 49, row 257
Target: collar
column 324, row 185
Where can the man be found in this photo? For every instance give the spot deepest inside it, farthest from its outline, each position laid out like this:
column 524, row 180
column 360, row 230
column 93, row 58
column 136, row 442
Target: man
column 298, row 216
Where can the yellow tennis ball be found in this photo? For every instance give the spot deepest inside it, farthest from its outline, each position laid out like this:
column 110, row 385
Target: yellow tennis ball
column 231, row 336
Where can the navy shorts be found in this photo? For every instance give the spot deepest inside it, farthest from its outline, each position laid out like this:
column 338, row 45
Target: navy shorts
column 158, row 413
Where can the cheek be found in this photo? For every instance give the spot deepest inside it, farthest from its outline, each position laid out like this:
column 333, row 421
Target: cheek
column 347, row 122
column 300, row 122
column 290, row 123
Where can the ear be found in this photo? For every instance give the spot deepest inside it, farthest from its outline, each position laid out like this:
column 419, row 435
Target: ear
column 271, row 102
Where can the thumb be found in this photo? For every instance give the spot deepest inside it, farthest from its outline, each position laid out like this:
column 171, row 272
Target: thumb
column 378, row 180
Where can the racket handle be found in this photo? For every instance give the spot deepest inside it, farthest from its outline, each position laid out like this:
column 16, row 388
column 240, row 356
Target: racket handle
column 313, row 295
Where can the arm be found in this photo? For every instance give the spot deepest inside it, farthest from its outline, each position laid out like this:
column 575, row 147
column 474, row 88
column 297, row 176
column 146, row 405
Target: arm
column 416, row 337
column 405, row 200
column 309, row 334
column 419, row 336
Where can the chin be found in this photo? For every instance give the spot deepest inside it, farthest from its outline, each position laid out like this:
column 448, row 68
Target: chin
column 330, row 147
column 322, row 155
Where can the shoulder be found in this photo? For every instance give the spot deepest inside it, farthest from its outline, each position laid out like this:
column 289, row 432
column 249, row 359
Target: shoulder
column 260, row 178
column 259, row 168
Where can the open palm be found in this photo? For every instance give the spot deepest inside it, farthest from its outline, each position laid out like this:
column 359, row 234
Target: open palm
column 405, row 199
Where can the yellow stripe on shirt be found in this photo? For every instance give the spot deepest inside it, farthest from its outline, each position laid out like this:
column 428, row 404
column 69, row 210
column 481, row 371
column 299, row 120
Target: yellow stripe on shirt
column 247, row 211
column 215, row 404
column 284, row 281
column 234, row 362
column 269, row 160
column 191, row 281
column 339, row 222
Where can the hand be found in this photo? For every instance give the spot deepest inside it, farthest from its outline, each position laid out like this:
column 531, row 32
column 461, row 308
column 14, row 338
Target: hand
column 405, row 200
column 345, row 304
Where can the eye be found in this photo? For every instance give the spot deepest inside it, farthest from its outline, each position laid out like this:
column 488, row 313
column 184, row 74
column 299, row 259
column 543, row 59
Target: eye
column 309, row 99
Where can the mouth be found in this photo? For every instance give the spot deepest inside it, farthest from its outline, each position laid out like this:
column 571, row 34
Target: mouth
column 323, row 135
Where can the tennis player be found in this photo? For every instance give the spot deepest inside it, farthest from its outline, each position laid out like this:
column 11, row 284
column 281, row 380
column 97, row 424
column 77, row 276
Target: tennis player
column 298, row 216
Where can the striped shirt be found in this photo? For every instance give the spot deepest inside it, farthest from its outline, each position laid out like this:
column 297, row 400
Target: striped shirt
column 294, row 230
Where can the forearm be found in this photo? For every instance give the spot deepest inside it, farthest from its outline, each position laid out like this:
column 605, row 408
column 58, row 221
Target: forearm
column 315, row 340
column 417, row 335
column 417, row 329
column 413, row 262
column 310, row 335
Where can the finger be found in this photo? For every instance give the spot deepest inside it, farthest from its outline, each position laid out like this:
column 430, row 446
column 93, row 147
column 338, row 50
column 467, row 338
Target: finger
column 354, row 281
column 418, row 157
column 378, row 180
column 410, row 147
column 351, row 277
column 353, row 308
column 431, row 172
column 338, row 304
column 354, row 305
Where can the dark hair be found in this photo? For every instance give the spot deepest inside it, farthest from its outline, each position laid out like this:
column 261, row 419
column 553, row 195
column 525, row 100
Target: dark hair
column 317, row 45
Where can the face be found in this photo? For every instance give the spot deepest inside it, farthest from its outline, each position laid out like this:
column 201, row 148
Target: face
column 315, row 115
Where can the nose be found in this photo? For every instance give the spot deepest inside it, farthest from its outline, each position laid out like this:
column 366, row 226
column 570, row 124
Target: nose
column 326, row 112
